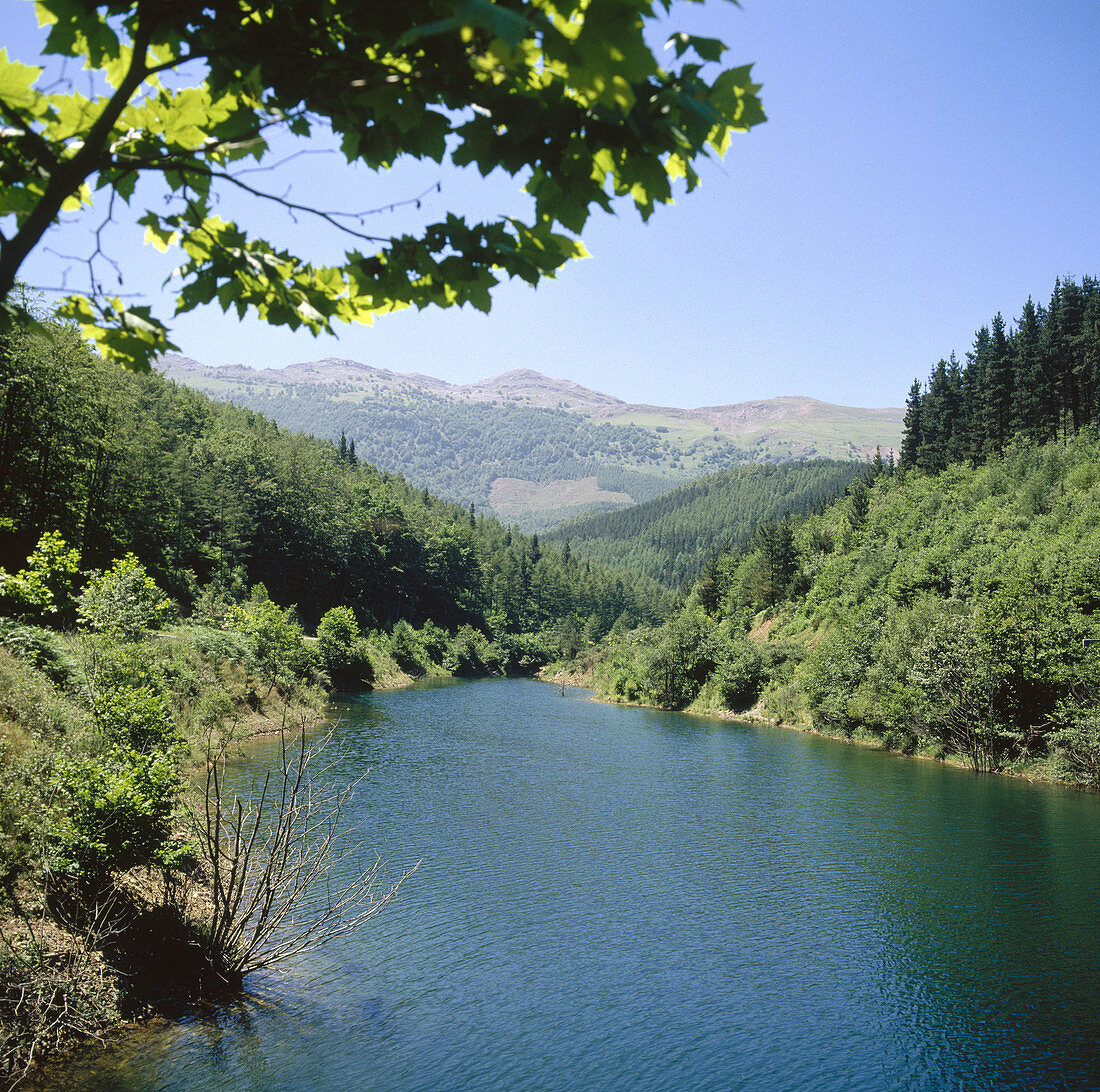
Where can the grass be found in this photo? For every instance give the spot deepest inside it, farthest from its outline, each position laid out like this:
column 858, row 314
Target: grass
column 511, row 496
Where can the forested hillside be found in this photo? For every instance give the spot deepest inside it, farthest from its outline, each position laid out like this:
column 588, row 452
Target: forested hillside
column 531, row 449
column 672, row 537
column 944, row 613
column 458, row 449
column 945, row 610
column 204, row 492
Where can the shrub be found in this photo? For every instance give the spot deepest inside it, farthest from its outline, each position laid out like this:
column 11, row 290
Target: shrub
column 526, row 652
column 136, row 717
column 39, row 647
column 434, row 640
column 124, row 600
column 218, row 646
column 471, row 653
column 344, row 653
column 1077, row 743
column 29, row 699
column 275, row 640
column 115, row 814
column 405, row 648
column 44, row 589
column 740, row 677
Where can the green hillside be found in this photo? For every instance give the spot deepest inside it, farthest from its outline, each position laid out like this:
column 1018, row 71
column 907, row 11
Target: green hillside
column 534, row 450
column 209, row 493
column 942, row 613
column 671, row 537
column 459, row 449
column 949, row 608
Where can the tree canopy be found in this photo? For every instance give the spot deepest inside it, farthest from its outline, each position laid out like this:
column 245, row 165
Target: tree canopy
column 1039, row 380
column 566, row 95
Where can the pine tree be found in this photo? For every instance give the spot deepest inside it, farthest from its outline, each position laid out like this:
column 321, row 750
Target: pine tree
column 977, row 392
column 1089, row 356
column 1035, row 410
column 999, row 390
column 1061, row 351
column 935, row 421
column 779, row 559
column 955, row 413
column 911, row 436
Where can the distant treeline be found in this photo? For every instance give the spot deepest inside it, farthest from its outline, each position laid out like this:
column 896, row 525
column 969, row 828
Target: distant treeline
column 671, row 537
column 1039, row 380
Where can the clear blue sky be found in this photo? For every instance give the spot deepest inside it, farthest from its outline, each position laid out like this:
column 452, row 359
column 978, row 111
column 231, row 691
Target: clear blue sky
column 923, row 166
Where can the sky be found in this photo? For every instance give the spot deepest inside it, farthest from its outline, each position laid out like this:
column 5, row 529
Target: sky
column 923, row 167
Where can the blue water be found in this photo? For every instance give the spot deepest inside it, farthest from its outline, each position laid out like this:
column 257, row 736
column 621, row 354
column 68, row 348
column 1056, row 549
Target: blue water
column 625, row 899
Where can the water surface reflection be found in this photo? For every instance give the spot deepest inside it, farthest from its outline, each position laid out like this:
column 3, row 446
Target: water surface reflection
column 623, row 898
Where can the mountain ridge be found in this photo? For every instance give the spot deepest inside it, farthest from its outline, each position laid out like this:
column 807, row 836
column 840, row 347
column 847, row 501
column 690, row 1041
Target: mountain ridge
column 531, row 448
column 508, row 382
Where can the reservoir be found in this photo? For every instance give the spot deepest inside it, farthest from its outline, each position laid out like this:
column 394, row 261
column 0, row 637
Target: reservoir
column 617, row 898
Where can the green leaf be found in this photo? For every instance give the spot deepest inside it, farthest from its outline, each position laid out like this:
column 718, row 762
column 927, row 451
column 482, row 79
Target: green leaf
column 566, row 97
column 17, row 82
column 709, row 49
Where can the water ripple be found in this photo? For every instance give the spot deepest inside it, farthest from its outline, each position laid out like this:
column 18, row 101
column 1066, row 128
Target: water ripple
column 625, row 899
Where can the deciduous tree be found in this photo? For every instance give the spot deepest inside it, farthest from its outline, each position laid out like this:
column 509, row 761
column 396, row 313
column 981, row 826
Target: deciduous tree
column 566, row 94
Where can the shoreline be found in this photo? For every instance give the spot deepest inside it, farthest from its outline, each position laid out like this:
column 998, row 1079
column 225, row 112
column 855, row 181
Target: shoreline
column 1034, row 776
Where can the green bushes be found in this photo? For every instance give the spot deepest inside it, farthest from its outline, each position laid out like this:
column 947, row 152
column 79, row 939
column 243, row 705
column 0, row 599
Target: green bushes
column 740, row 676
column 44, row 588
column 30, row 700
column 525, row 653
column 139, row 717
column 124, row 600
column 928, row 611
column 345, row 654
column 115, row 813
column 1076, row 743
column 276, row 642
column 691, row 658
column 472, row 653
column 40, row 647
column 92, row 760
column 404, row 646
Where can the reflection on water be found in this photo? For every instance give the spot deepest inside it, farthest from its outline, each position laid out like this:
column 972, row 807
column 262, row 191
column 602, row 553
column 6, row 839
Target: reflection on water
column 622, row 898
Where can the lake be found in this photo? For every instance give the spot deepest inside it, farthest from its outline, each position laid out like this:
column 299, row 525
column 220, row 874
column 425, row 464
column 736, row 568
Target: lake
column 619, row 898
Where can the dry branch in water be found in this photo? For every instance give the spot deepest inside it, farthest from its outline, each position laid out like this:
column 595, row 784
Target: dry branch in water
column 279, row 864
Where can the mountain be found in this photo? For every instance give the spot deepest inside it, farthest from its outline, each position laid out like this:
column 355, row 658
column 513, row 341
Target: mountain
column 214, row 499
column 531, row 449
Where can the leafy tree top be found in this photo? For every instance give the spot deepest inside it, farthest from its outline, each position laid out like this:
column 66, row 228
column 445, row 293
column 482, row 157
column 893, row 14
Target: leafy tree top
column 565, row 93
column 124, row 600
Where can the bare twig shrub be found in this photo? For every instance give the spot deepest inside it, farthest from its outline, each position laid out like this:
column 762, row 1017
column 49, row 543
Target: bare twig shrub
column 284, row 868
column 55, row 987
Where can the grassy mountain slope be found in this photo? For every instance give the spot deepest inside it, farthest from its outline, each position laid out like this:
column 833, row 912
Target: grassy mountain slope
column 531, row 449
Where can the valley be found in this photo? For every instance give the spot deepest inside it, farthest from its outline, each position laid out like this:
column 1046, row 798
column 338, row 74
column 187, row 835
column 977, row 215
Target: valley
column 532, row 450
